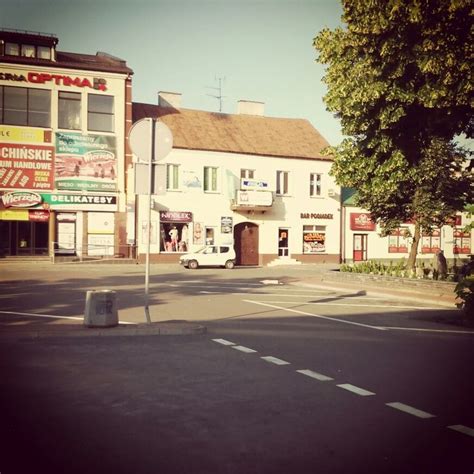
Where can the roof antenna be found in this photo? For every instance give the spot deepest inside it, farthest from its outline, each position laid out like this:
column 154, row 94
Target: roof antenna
column 219, row 90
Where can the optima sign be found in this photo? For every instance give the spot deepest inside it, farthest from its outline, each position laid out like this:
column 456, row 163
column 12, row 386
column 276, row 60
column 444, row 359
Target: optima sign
column 58, row 79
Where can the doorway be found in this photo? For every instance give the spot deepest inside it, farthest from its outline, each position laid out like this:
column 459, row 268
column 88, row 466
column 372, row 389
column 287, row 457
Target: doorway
column 283, row 239
column 360, row 247
column 24, row 238
column 246, row 243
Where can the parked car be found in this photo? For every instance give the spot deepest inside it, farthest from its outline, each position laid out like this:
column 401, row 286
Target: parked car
column 210, row 256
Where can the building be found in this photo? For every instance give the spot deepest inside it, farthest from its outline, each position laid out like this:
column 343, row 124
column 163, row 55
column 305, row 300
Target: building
column 64, row 118
column 260, row 183
column 362, row 240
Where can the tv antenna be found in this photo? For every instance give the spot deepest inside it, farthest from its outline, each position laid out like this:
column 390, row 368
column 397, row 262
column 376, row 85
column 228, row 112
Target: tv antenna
column 219, row 95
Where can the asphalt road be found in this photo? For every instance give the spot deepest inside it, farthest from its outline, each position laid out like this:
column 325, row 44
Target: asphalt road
column 288, row 379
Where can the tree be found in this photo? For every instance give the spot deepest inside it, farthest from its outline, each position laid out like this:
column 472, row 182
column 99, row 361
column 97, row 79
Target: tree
column 399, row 78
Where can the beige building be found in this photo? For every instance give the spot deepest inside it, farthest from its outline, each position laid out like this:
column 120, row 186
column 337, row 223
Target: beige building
column 260, row 183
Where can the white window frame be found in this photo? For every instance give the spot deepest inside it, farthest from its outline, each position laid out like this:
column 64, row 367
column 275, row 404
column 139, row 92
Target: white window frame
column 246, row 173
column 282, row 183
column 315, row 185
column 211, row 179
column 172, row 177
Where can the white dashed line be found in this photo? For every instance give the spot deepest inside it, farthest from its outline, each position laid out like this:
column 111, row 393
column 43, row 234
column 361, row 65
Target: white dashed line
column 275, row 360
column 357, row 390
column 75, row 318
column 243, row 349
column 224, row 342
column 315, row 375
column 282, row 308
column 462, row 429
column 410, row 410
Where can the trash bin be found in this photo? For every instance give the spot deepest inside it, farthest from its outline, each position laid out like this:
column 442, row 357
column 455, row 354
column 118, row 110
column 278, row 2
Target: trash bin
column 101, row 309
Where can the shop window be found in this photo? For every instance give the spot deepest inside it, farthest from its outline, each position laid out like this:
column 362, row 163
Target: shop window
column 210, row 235
column 12, row 49
column 28, row 50
column 210, row 179
column 69, row 110
column 24, row 106
column 172, row 177
column 315, row 185
column 100, row 113
column 314, row 239
column 431, row 241
column 174, row 237
column 462, row 242
column 398, row 240
column 282, row 179
column 247, row 174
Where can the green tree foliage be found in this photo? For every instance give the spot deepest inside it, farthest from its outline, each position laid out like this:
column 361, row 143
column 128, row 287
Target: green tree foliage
column 399, row 78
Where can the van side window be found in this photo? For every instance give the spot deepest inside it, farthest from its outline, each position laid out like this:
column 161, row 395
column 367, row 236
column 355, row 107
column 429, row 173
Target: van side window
column 224, row 249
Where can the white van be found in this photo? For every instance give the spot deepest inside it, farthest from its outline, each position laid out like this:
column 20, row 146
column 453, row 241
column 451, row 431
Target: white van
column 210, row 256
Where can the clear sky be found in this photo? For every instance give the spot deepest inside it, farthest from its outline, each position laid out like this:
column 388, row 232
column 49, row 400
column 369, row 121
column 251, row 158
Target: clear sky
column 263, row 48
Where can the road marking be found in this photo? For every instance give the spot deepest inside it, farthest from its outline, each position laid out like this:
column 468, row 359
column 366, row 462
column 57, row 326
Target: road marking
column 410, row 410
column 270, row 282
column 304, row 313
column 462, row 429
column 315, row 375
column 209, row 292
column 324, row 303
column 357, row 390
column 275, row 360
column 447, row 331
column 76, row 318
column 224, row 342
column 243, row 349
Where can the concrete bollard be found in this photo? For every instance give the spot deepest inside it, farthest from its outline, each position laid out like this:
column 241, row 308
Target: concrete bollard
column 101, row 309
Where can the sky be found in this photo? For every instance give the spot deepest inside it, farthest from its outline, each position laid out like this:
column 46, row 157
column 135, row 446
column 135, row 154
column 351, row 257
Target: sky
column 261, row 49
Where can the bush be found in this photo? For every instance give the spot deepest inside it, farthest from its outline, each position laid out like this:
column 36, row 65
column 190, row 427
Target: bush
column 465, row 292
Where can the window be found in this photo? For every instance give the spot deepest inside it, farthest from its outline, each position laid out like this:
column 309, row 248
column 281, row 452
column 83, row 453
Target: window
column 28, row 50
column 314, row 239
column 248, row 174
column 431, row 241
column 172, row 177
column 282, row 182
column 100, row 113
column 44, row 52
column 462, row 242
column 315, row 185
column 210, row 179
column 12, row 49
column 209, row 235
column 398, row 240
column 69, row 110
column 23, row 106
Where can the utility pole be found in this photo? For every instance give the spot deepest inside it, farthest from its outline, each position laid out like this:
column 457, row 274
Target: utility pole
column 219, row 91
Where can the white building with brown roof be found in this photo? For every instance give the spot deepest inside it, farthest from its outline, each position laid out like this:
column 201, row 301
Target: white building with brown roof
column 257, row 182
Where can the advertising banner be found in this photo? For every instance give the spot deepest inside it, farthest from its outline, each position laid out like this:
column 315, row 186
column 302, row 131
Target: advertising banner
column 86, row 162
column 26, row 166
column 226, row 225
column 361, row 221
column 24, row 134
column 314, row 242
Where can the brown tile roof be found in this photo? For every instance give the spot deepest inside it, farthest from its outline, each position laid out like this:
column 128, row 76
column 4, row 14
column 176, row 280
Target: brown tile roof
column 247, row 134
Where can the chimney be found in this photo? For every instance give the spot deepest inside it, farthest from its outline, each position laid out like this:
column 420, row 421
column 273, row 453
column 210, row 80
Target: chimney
column 249, row 107
column 169, row 99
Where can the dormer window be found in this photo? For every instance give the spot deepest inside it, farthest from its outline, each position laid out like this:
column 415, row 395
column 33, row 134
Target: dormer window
column 28, row 50
column 44, row 52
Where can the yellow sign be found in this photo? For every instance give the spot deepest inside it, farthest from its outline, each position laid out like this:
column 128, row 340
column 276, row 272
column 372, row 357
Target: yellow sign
column 16, row 134
column 17, row 215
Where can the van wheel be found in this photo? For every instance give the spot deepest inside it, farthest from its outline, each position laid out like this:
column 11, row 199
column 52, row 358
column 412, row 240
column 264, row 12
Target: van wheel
column 229, row 264
column 192, row 264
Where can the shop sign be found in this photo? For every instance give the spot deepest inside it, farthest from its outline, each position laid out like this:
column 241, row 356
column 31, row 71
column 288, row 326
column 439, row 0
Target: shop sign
column 172, row 216
column 226, row 225
column 38, row 216
column 29, row 135
column 315, row 215
column 14, row 215
column 66, row 217
column 361, row 221
column 254, row 184
column 81, row 202
column 96, row 83
column 85, row 162
column 254, row 198
column 21, row 199
column 26, row 166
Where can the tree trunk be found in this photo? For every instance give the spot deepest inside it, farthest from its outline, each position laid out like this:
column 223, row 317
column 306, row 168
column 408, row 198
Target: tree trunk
column 414, row 247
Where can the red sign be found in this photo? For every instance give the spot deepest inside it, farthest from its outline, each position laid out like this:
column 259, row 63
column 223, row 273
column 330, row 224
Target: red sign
column 26, row 166
column 361, row 221
column 21, row 199
column 38, row 216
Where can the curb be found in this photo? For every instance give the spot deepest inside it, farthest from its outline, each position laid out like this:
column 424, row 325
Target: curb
column 76, row 330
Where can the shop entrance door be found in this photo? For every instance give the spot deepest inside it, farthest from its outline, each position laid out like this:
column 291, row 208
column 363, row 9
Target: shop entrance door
column 283, row 234
column 246, row 243
column 26, row 238
column 360, row 247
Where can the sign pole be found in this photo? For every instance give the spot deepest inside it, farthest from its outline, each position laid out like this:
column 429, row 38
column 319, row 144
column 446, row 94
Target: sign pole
column 148, row 226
